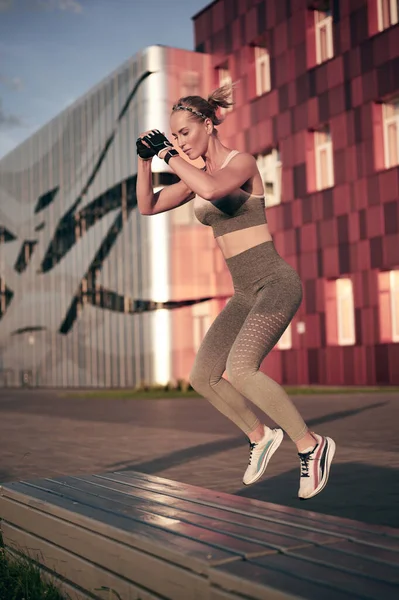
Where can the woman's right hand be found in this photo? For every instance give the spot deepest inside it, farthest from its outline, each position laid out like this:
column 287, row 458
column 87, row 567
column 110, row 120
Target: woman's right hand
column 143, row 150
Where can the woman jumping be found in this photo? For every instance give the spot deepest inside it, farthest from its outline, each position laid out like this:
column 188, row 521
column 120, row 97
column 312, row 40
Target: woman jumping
column 228, row 195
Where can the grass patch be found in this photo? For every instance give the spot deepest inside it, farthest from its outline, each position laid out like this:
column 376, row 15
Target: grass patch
column 158, row 394
column 20, row 579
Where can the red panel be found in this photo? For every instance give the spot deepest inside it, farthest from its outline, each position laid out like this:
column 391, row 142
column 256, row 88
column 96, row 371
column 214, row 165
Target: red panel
column 287, row 152
column 330, row 262
column 388, row 185
column 335, row 72
column 308, row 237
column 298, row 29
column 390, row 245
column 357, row 91
column 310, row 162
column 351, row 163
column 354, row 233
column 313, row 113
column 344, row 35
column 287, row 185
column 296, row 211
column 280, row 38
column 313, row 337
column 393, row 42
column 336, row 100
column 328, row 233
column 270, row 14
column 375, row 221
column 363, row 255
column 301, row 117
column 341, row 195
column 334, row 366
column 299, row 146
column 284, row 124
column 310, row 40
column 308, row 265
column 338, row 128
column 393, row 353
column 372, row 16
column 360, row 191
column 251, row 27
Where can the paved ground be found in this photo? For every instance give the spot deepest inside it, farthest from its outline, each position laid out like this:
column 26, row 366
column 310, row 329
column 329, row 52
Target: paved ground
column 44, row 433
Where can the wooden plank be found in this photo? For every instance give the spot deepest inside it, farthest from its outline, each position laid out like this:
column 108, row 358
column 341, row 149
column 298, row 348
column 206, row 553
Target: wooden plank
column 333, row 525
column 284, row 534
column 259, row 582
column 182, row 551
column 75, row 570
column 241, row 547
column 333, row 576
column 145, row 570
column 122, row 501
column 387, row 557
column 70, row 591
column 351, row 563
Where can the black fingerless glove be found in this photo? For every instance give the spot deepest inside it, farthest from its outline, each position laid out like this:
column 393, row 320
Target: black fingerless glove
column 143, row 151
column 157, row 141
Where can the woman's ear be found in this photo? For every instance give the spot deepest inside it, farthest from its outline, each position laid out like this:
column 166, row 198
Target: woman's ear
column 208, row 126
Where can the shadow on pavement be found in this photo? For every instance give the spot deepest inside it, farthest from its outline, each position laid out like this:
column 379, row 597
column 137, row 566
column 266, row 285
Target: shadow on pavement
column 176, row 457
column 354, row 491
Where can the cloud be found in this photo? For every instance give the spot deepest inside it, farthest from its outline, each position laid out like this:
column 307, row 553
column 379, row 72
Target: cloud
column 8, row 121
column 14, row 83
column 66, row 5
column 6, row 4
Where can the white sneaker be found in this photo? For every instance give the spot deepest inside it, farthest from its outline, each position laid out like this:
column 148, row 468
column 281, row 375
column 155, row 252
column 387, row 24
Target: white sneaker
column 315, row 467
column 260, row 454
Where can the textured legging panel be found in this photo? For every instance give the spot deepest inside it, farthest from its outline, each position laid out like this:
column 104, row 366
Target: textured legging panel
column 266, row 297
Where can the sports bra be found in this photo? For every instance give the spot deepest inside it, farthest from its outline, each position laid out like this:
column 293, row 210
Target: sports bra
column 238, row 210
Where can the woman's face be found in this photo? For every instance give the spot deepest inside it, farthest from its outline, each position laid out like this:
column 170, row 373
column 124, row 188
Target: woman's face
column 190, row 134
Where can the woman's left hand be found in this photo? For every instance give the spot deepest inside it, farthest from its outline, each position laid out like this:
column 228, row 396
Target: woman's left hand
column 158, row 142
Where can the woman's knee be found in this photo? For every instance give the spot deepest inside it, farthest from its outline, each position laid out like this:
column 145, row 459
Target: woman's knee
column 238, row 374
column 203, row 377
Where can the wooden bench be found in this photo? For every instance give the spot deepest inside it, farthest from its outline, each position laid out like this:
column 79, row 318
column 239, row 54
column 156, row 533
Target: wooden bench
column 130, row 536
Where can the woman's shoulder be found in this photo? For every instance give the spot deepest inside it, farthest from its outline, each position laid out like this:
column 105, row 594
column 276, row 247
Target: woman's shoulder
column 241, row 158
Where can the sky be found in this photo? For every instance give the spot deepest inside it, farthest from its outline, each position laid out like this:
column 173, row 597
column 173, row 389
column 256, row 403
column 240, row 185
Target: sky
column 53, row 51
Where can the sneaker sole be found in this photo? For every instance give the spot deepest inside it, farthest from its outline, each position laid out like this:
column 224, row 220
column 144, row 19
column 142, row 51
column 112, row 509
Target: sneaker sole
column 330, row 455
column 274, row 446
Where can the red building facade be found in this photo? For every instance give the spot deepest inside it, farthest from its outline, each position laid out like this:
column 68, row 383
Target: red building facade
column 317, row 102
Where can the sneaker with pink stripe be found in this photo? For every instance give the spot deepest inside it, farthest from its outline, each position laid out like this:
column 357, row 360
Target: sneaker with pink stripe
column 315, row 467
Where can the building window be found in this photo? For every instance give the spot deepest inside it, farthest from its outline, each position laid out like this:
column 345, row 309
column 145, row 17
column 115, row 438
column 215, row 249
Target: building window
column 324, row 35
column 324, row 159
column 345, row 313
column 388, row 291
column 270, row 168
column 225, row 79
column 340, row 312
column 262, row 71
column 201, row 322
column 388, row 11
column 391, row 133
column 285, row 342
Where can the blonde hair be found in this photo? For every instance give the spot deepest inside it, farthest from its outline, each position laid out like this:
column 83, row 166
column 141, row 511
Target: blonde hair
column 202, row 108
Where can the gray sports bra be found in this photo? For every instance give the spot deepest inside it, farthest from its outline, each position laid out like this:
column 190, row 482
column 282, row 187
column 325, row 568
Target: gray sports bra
column 237, row 210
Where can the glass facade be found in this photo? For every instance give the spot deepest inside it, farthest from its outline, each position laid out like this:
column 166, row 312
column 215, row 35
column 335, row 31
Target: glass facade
column 82, row 274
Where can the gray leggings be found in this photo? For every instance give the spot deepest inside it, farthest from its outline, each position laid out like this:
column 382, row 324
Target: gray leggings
column 267, row 294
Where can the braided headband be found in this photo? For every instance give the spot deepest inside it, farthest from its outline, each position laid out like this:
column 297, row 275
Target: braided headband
column 195, row 112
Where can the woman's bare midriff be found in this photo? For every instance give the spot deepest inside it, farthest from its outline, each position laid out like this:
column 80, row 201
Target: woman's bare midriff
column 235, row 242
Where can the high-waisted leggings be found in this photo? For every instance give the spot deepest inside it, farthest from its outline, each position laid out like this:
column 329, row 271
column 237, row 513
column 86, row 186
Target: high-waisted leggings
column 267, row 294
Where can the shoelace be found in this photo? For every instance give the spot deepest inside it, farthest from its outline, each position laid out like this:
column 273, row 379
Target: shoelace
column 252, row 447
column 305, row 458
